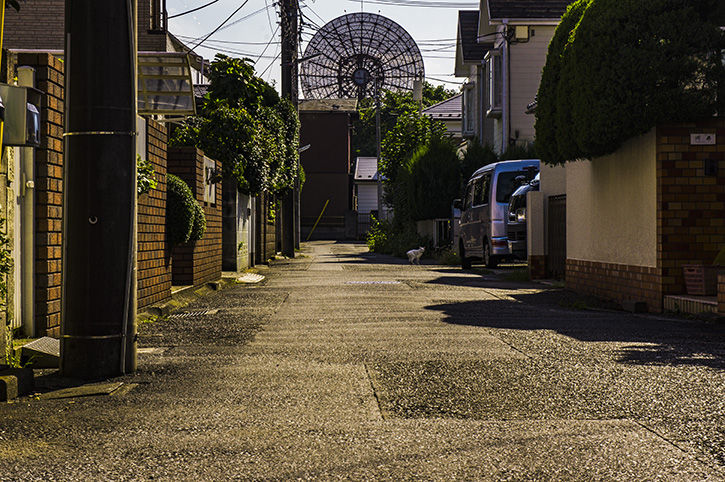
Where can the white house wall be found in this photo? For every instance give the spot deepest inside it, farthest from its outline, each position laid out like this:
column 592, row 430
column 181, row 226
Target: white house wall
column 611, row 214
column 527, row 61
column 367, row 198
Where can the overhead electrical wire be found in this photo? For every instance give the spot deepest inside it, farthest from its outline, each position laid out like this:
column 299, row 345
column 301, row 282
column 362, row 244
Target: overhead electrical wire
column 191, row 11
column 220, row 25
column 422, row 3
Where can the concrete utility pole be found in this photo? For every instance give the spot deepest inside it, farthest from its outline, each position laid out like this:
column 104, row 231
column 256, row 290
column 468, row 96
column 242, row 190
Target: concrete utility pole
column 288, row 13
column 99, row 210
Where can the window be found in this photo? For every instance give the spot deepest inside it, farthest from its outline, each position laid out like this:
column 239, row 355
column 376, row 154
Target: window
column 507, row 184
column 494, row 67
column 469, row 110
column 469, row 195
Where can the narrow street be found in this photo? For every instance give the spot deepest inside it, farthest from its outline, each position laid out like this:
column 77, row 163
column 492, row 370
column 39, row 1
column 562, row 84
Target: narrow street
column 347, row 365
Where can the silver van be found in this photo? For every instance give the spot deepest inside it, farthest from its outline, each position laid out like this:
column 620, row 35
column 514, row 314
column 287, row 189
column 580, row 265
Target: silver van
column 484, row 211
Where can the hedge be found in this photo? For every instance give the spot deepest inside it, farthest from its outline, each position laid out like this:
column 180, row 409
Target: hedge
column 185, row 218
column 627, row 65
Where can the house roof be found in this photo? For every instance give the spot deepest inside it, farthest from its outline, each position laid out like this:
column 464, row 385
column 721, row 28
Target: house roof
column 449, row 109
column 468, row 37
column 527, row 9
column 328, row 105
column 366, row 169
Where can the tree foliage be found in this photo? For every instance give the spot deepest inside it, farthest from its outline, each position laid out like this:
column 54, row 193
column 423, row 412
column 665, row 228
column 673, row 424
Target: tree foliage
column 183, row 218
column 392, row 106
column 475, row 157
column 244, row 124
column 429, row 181
column 624, row 67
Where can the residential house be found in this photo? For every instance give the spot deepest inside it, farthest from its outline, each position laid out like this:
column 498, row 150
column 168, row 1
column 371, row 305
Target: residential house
column 523, row 30
column 34, row 39
column 470, row 52
column 326, row 197
column 449, row 112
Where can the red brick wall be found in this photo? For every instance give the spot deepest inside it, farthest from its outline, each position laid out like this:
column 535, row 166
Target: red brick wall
column 153, row 260
column 721, row 292
column 615, row 282
column 201, row 261
column 537, row 266
column 690, row 204
column 48, row 191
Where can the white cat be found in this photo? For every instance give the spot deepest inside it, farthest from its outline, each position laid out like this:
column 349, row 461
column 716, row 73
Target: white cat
column 415, row 254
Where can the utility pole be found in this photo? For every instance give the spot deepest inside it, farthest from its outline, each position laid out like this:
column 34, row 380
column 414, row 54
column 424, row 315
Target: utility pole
column 99, row 209
column 289, row 10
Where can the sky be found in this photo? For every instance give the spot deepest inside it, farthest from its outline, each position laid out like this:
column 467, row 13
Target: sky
column 431, row 23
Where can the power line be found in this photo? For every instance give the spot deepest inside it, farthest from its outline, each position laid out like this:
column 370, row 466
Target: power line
column 220, row 25
column 192, row 10
column 422, row 3
column 231, row 42
column 268, row 44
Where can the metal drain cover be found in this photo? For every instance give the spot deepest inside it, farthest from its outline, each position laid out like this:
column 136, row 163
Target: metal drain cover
column 193, row 314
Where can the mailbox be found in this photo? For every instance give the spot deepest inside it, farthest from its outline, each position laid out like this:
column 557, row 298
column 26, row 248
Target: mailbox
column 22, row 117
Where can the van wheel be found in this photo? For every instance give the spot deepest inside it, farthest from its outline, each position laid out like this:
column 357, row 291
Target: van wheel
column 488, row 259
column 465, row 262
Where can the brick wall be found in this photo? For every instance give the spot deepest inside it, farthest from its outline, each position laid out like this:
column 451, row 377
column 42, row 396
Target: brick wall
column 48, row 191
column 721, row 292
column 153, row 260
column 690, row 201
column 615, row 282
column 201, row 261
column 537, row 266
column 40, row 24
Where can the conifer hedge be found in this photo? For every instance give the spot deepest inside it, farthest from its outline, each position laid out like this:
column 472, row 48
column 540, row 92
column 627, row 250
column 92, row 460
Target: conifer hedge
column 626, row 66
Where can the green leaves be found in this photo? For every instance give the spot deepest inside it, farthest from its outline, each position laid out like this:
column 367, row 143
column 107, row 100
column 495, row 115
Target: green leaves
column 182, row 212
column 244, row 124
column 616, row 68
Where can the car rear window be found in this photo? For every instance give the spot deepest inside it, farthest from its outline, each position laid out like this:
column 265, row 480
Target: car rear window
column 507, row 184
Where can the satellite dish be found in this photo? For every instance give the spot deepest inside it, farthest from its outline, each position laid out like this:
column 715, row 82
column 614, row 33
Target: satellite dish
column 358, row 55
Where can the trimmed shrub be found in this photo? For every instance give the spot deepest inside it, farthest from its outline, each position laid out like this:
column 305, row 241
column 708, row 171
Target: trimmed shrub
column 199, row 226
column 476, row 157
column 628, row 65
column 180, row 210
column 551, row 101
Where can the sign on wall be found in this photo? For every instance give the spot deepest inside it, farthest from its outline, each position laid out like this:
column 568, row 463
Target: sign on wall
column 211, row 177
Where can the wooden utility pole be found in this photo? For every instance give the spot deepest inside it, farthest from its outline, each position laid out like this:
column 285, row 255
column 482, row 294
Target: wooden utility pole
column 99, row 210
column 289, row 11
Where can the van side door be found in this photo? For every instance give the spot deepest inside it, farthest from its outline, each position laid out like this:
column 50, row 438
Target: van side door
column 466, row 216
column 482, row 203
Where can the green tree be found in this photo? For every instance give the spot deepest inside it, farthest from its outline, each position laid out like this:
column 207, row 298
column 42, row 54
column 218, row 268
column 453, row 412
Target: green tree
column 476, row 156
column 392, row 106
column 243, row 123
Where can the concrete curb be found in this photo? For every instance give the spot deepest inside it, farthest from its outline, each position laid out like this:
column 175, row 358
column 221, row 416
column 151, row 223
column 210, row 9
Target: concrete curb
column 15, row 382
column 185, row 296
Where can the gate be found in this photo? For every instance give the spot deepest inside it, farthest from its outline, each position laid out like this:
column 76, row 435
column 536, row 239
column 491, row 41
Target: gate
column 556, row 261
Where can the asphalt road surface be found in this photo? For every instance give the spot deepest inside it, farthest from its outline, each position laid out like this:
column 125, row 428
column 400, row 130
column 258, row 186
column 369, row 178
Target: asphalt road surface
column 346, row 365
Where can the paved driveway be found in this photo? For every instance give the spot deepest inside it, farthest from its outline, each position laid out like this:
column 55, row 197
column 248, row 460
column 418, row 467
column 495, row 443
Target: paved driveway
column 346, row 365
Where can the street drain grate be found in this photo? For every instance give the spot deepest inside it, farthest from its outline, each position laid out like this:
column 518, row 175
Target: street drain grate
column 372, row 282
column 192, row 314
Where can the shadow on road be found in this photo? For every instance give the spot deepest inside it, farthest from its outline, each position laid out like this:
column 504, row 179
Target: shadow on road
column 650, row 340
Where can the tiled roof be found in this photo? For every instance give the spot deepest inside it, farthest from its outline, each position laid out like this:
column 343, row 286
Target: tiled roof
column 366, row 169
column 448, row 109
column 468, row 37
column 533, row 9
column 328, row 105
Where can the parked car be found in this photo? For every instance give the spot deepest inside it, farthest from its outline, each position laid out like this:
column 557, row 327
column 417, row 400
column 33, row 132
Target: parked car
column 484, row 211
column 516, row 225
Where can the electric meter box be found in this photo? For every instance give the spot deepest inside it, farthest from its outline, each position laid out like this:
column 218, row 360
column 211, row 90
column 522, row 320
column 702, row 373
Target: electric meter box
column 22, row 116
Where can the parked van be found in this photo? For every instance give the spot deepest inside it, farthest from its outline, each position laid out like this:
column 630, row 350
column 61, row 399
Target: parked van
column 484, row 211
column 516, row 225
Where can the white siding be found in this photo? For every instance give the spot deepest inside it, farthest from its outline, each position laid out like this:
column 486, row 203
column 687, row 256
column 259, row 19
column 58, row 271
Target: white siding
column 527, row 61
column 367, row 198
